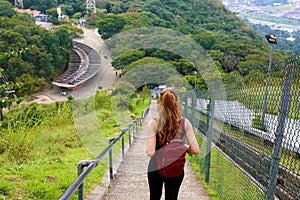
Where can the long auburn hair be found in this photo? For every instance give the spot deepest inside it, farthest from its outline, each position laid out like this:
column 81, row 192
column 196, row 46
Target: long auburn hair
column 169, row 115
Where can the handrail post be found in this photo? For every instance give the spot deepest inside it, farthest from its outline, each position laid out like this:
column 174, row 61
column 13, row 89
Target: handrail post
column 80, row 166
column 135, row 125
column 110, row 159
column 209, row 137
column 129, row 135
column 123, row 142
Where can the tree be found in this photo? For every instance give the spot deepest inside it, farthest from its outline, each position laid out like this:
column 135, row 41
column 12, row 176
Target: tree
column 252, row 61
column 77, row 16
column 183, row 66
column 126, row 59
column 7, row 96
column 11, row 40
column 43, row 5
column 30, row 84
column 67, row 9
column 110, row 25
column 54, row 16
column 205, row 38
column 73, row 31
column 6, row 9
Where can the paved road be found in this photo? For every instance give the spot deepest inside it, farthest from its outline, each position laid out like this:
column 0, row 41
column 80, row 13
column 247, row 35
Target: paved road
column 105, row 79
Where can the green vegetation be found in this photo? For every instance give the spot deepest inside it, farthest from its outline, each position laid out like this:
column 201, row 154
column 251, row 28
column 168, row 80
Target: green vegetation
column 31, row 55
column 41, row 145
column 233, row 45
column 226, row 181
column 288, row 158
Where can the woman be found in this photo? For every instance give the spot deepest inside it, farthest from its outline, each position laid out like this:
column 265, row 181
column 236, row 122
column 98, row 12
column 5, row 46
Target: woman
column 167, row 126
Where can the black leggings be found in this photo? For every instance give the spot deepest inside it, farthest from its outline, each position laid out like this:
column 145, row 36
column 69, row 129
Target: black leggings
column 172, row 185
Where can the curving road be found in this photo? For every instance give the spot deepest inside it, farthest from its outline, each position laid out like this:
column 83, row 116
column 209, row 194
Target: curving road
column 104, row 79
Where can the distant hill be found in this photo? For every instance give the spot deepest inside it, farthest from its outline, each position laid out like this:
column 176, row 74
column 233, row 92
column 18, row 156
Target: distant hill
column 232, row 43
column 228, row 39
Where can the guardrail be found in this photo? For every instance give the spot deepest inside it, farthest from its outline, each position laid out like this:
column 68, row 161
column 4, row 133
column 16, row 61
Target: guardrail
column 91, row 164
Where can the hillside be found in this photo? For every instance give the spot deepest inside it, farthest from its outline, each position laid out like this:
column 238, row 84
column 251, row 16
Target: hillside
column 228, row 39
column 232, row 43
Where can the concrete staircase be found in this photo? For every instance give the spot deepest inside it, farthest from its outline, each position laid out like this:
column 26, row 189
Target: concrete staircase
column 130, row 180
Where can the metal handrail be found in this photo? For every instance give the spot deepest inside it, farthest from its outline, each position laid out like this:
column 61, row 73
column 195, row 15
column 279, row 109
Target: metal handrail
column 91, row 164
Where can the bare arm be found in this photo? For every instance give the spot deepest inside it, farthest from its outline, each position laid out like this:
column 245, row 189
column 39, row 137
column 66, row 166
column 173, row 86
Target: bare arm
column 151, row 140
column 193, row 147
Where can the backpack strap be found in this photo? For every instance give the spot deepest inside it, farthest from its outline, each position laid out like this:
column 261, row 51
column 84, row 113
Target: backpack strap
column 182, row 121
column 181, row 126
column 157, row 145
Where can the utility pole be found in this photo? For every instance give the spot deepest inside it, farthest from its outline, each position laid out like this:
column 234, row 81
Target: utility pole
column 272, row 40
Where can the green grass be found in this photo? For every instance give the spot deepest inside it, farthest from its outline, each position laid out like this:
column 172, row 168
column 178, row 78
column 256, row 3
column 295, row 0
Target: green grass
column 253, row 97
column 38, row 160
column 288, row 158
column 226, row 181
column 45, row 178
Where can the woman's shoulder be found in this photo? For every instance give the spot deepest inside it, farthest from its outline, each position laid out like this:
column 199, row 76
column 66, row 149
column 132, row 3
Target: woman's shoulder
column 187, row 122
column 152, row 122
column 185, row 119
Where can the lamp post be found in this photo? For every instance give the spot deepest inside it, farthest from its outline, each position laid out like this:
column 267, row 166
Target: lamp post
column 195, row 72
column 272, row 40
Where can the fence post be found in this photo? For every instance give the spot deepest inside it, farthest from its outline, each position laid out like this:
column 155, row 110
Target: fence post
column 186, row 105
column 193, row 107
column 209, row 137
column 283, row 113
column 110, row 159
column 262, row 123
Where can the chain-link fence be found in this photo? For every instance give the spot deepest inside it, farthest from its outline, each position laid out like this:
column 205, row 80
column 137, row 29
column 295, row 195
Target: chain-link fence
column 254, row 134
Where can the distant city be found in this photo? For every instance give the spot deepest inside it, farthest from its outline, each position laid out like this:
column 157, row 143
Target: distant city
column 256, row 7
column 233, row 3
column 285, row 9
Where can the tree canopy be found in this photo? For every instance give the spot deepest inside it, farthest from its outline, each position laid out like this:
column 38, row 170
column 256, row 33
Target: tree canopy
column 234, row 45
column 29, row 53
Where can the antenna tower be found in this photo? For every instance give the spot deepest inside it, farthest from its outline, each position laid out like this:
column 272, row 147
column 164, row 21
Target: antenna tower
column 91, row 4
column 19, row 3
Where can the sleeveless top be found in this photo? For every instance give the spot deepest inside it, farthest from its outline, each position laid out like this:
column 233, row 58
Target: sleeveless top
column 152, row 166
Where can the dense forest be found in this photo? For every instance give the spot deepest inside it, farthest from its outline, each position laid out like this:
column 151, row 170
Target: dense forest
column 234, row 45
column 31, row 55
